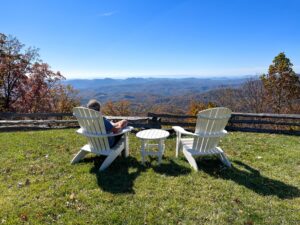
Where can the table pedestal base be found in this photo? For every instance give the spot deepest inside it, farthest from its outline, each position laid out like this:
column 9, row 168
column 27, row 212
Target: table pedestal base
column 145, row 150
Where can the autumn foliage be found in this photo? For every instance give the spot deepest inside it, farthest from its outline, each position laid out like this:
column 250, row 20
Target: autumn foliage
column 120, row 108
column 29, row 85
column 195, row 107
column 275, row 92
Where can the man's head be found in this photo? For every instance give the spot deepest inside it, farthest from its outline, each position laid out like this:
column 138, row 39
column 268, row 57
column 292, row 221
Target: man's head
column 94, row 104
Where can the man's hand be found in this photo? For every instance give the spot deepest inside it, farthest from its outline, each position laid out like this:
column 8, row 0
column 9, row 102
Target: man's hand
column 118, row 126
column 124, row 123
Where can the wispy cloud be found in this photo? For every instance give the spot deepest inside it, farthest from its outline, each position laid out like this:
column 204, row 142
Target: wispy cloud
column 108, row 13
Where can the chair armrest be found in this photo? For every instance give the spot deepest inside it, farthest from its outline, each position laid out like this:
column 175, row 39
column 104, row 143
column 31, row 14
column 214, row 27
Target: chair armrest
column 125, row 130
column 204, row 135
column 182, row 131
column 213, row 134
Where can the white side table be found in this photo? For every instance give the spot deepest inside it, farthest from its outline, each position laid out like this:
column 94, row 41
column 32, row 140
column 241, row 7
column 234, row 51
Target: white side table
column 150, row 135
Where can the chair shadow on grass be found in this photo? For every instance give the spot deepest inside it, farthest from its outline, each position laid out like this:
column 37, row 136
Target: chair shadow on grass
column 171, row 168
column 119, row 177
column 250, row 178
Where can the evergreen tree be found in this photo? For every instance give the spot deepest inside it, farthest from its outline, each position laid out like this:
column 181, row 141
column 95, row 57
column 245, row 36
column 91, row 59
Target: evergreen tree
column 282, row 85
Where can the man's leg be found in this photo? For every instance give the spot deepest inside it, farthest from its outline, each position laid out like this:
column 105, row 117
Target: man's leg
column 116, row 140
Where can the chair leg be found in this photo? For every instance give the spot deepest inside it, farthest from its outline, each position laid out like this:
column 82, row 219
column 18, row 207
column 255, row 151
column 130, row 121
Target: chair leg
column 143, row 146
column 190, row 159
column 224, row 159
column 80, row 155
column 160, row 150
column 178, row 139
column 126, row 152
column 110, row 158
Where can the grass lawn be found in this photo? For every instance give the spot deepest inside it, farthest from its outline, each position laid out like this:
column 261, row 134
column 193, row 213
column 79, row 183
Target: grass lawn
column 39, row 186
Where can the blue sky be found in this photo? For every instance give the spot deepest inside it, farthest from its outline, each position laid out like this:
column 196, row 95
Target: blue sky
column 111, row 38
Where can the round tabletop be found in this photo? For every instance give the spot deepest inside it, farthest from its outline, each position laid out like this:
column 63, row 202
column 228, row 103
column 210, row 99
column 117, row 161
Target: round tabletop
column 152, row 134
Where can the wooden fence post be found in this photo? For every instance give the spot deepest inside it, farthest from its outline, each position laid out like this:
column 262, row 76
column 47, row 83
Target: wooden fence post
column 154, row 122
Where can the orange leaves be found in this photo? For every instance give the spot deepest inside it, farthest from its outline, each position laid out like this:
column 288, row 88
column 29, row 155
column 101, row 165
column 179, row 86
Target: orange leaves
column 195, row 107
column 120, row 108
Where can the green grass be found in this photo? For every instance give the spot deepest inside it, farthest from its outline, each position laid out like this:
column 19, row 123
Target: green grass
column 39, row 186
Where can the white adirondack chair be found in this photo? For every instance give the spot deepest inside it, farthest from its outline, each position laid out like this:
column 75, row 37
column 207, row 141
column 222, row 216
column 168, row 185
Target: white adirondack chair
column 209, row 130
column 93, row 128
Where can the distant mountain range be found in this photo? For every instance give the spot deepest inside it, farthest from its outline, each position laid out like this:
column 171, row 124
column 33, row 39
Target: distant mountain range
column 139, row 89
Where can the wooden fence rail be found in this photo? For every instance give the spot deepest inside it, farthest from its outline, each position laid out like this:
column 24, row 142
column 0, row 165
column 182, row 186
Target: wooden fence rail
column 9, row 115
column 23, row 121
column 247, row 122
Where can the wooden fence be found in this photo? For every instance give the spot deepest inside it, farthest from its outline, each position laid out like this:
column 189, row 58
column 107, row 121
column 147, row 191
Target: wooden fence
column 25, row 121
column 246, row 122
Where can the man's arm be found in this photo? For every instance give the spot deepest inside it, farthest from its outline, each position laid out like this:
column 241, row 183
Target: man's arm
column 118, row 126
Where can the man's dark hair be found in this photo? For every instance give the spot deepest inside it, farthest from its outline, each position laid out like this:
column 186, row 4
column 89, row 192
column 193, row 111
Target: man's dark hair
column 94, row 104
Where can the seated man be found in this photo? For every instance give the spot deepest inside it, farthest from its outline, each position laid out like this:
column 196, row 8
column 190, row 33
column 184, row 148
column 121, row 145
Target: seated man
column 110, row 127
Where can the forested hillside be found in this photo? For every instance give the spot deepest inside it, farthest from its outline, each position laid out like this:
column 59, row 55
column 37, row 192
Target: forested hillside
column 137, row 96
column 152, row 91
column 278, row 91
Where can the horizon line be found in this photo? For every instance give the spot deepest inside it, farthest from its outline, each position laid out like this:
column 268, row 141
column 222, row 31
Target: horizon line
column 163, row 77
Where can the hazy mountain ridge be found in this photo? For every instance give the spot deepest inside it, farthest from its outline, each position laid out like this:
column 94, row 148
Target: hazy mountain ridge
column 152, row 90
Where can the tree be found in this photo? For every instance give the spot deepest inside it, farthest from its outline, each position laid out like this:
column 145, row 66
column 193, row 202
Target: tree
column 195, row 107
column 65, row 98
column 42, row 91
column 252, row 96
column 227, row 97
column 29, row 85
column 119, row 108
column 14, row 65
column 282, row 85
column 36, row 92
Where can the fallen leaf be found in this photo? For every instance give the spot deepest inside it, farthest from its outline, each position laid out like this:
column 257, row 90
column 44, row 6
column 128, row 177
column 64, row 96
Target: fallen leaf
column 24, row 217
column 249, row 222
column 236, row 200
column 27, row 182
column 72, row 196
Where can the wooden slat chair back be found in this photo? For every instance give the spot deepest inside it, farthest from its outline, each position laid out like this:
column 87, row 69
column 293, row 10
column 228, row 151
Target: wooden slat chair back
column 91, row 123
column 93, row 128
column 210, row 125
column 209, row 130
